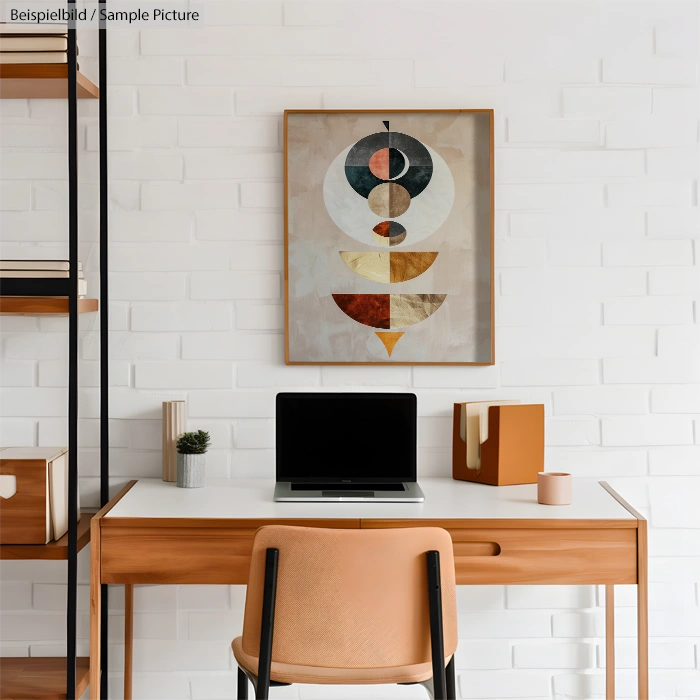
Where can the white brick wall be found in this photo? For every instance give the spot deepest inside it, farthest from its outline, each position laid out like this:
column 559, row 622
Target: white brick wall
column 597, row 298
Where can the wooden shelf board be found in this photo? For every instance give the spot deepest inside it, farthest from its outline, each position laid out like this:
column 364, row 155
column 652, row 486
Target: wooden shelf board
column 56, row 550
column 42, row 81
column 43, row 306
column 40, row 678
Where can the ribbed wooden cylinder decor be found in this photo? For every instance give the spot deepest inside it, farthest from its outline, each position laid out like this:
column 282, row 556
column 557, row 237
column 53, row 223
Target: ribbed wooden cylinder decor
column 173, row 425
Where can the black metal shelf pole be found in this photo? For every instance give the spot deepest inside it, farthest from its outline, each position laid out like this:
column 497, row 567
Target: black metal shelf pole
column 104, row 333
column 71, row 627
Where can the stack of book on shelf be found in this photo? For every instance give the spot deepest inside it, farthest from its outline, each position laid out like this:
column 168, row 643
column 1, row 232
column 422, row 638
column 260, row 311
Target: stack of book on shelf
column 33, row 43
column 38, row 278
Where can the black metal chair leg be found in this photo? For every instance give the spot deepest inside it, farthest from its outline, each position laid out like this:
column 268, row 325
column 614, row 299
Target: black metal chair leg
column 437, row 644
column 267, row 624
column 242, row 685
column 450, row 680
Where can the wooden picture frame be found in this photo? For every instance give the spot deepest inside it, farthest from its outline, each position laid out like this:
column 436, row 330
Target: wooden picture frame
column 301, row 181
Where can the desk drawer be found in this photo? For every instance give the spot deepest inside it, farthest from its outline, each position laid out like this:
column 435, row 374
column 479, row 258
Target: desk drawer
column 538, row 555
column 158, row 552
column 212, row 552
column 176, row 555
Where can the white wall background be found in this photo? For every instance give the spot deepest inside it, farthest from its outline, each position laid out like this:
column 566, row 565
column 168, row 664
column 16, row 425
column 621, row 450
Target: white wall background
column 597, row 288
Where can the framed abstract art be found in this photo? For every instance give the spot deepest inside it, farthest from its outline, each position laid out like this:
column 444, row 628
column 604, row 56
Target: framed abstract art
column 389, row 219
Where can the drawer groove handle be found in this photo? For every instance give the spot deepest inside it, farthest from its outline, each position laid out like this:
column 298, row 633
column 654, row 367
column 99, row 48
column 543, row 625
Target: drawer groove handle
column 477, row 549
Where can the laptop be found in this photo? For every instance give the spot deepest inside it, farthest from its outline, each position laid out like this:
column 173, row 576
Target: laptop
column 346, row 447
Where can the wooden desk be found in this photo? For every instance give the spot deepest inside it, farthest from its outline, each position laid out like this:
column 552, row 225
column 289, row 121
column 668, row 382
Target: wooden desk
column 155, row 533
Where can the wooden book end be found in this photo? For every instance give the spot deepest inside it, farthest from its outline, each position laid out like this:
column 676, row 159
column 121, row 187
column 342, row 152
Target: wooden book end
column 513, row 452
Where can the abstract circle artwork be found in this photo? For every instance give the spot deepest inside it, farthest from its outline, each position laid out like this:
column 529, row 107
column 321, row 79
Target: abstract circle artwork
column 388, row 157
column 389, row 169
column 416, row 200
column 387, row 184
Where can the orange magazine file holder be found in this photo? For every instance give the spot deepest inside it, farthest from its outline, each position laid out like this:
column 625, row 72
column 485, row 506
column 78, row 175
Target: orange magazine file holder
column 513, row 452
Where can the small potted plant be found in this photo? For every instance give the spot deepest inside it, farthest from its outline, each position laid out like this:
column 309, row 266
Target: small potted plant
column 191, row 448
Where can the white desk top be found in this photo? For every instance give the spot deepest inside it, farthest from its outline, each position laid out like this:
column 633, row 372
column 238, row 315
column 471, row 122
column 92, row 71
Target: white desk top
column 444, row 499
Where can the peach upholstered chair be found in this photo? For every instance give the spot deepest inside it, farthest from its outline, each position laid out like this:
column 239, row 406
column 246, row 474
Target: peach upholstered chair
column 349, row 607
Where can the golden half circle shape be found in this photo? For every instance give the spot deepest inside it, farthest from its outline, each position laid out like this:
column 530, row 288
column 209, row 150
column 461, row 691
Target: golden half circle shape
column 388, row 267
column 372, row 266
column 405, row 266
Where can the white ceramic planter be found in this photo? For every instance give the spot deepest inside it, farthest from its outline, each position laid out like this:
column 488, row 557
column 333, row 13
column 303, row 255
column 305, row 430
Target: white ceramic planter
column 190, row 471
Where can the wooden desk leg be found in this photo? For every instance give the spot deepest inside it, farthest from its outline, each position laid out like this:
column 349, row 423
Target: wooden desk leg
column 95, row 608
column 128, row 638
column 642, row 613
column 610, row 642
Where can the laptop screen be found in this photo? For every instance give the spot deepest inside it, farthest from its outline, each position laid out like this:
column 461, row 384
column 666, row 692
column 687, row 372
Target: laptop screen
column 346, row 438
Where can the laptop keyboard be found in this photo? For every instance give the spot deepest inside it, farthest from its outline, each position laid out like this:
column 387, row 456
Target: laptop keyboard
column 347, row 489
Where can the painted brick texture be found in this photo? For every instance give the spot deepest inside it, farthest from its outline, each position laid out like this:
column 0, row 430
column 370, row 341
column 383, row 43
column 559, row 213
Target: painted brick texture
column 597, row 299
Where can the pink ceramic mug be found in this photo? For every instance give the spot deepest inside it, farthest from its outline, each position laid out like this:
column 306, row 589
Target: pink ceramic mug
column 554, row 488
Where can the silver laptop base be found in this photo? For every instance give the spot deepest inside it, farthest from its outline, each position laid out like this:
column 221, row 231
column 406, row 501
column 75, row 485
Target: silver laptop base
column 411, row 494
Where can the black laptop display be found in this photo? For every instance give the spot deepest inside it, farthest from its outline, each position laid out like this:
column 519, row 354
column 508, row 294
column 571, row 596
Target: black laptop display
column 346, row 446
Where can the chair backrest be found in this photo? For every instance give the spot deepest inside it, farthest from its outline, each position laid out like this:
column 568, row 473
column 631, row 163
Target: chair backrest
column 351, row 598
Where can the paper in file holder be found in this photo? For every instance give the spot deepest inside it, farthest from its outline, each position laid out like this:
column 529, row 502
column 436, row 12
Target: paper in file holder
column 498, row 442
